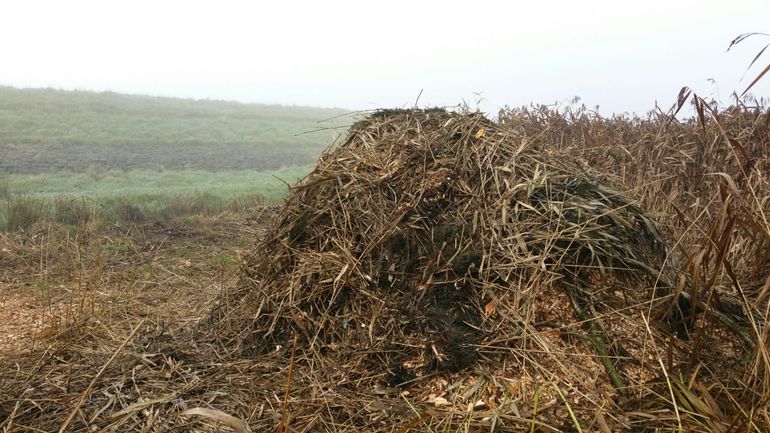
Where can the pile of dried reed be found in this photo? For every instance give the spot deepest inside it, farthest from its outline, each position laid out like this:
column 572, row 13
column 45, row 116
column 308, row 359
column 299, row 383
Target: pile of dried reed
column 416, row 223
column 429, row 242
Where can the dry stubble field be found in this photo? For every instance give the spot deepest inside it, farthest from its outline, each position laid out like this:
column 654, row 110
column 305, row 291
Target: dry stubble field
column 57, row 279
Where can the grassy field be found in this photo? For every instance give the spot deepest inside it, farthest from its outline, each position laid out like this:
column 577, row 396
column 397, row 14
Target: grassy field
column 270, row 184
column 44, row 131
column 160, row 157
column 136, row 196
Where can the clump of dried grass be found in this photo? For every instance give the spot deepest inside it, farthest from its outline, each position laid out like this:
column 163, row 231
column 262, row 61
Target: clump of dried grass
column 22, row 212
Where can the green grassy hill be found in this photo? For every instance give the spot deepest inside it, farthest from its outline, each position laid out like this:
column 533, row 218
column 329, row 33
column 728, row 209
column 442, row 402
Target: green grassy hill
column 65, row 153
column 48, row 131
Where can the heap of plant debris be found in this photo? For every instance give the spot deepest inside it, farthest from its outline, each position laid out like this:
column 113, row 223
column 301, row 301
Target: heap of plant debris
column 430, row 242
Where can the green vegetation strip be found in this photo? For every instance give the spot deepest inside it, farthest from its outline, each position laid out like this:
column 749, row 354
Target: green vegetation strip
column 133, row 197
column 271, row 185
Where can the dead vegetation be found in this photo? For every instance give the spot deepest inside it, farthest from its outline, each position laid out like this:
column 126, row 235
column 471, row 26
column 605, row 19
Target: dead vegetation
column 438, row 271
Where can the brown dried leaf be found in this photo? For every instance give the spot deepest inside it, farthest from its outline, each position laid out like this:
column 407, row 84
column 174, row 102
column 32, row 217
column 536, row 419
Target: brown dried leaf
column 236, row 424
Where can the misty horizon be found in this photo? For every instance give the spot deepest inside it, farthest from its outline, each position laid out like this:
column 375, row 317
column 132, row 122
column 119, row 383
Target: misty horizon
column 619, row 57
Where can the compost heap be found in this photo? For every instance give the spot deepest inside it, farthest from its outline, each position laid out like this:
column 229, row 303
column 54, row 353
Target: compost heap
column 431, row 242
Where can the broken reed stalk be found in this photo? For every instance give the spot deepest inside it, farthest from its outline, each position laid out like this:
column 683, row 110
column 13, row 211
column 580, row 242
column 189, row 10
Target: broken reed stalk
column 285, row 418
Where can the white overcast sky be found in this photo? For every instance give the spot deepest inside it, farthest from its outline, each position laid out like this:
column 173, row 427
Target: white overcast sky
column 620, row 55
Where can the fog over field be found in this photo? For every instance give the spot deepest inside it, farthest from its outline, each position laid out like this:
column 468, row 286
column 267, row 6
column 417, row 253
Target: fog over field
column 621, row 56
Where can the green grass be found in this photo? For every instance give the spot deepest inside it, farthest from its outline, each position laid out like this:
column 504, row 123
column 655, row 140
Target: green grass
column 75, row 157
column 137, row 196
column 46, row 130
column 270, row 185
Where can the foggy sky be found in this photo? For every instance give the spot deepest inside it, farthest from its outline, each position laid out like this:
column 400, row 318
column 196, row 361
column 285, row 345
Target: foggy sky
column 620, row 55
